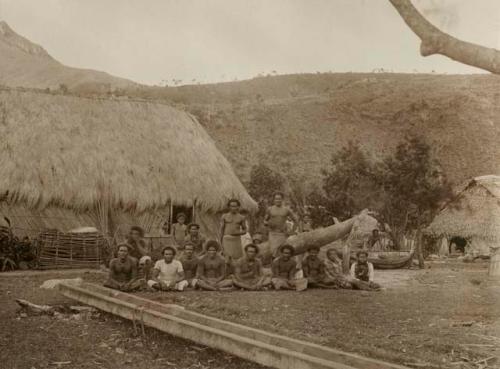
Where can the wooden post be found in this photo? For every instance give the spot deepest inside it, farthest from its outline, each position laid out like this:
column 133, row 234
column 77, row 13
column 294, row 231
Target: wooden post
column 420, row 255
column 346, row 258
column 170, row 216
column 193, row 216
column 494, row 268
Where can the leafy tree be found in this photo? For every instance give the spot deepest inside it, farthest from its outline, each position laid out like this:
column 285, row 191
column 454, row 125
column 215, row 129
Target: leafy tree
column 406, row 188
column 63, row 88
column 413, row 185
column 317, row 208
column 264, row 182
column 349, row 182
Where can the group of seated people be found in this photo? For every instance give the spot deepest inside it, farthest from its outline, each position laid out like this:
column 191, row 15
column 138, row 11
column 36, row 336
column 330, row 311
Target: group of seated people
column 207, row 269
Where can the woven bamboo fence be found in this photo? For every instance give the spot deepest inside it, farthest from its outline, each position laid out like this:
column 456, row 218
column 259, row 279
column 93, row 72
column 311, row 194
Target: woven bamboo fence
column 57, row 250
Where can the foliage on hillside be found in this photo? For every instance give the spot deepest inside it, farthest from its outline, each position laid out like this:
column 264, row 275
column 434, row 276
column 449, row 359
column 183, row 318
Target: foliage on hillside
column 405, row 187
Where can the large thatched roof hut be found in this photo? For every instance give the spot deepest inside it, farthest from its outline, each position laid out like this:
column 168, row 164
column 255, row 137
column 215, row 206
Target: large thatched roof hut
column 474, row 214
column 67, row 162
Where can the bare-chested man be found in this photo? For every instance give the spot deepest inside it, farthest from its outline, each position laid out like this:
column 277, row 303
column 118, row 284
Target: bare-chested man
column 248, row 273
column 189, row 263
column 314, row 270
column 136, row 244
column 123, row 272
column 284, row 270
column 195, row 238
column 275, row 219
column 211, row 273
column 233, row 226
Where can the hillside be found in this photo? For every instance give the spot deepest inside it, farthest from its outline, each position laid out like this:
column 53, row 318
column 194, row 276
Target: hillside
column 25, row 64
column 297, row 121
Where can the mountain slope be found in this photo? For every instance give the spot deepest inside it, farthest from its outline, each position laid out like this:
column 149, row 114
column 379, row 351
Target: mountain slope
column 25, row 64
column 294, row 123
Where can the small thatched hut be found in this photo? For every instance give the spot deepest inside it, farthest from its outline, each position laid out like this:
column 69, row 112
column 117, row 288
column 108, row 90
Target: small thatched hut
column 474, row 215
column 68, row 162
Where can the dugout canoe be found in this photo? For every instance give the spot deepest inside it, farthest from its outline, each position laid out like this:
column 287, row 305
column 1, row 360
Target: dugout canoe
column 384, row 260
column 392, row 262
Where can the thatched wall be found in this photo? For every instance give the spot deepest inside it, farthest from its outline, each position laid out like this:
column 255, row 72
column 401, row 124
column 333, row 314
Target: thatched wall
column 31, row 222
column 100, row 156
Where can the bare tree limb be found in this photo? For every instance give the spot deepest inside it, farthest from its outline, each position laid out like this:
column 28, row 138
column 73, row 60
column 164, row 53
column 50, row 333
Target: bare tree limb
column 435, row 41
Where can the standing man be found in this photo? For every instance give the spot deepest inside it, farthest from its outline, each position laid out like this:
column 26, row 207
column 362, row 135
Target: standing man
column 168, row 274
column 135, row 242
column 306, row 224
column 233, row 226
column 374, row 242
column 123, row 271
column 276, row 220
column 211, row 271
column 248, row 273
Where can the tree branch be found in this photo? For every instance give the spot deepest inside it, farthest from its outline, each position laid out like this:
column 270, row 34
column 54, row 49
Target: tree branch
column 435, row 41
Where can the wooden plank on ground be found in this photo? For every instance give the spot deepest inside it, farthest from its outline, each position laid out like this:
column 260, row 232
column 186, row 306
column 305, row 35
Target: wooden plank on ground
column 245, row 342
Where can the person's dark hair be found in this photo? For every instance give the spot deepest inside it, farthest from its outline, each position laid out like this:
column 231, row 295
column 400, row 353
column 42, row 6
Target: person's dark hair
column 197, row 226
column 287, row 247
column 314, row 248
column 278, row 193
column 212, row 244
column 258, row 235
column 174, row 251
column 180, row 215
column 137, row 229
column 123, row 245
column 362, row 252
column 233, row 200
column 252, row 246
column 188, row 244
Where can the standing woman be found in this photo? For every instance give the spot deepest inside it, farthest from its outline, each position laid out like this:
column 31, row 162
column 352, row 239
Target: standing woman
column 275, row 220
column 233, row 226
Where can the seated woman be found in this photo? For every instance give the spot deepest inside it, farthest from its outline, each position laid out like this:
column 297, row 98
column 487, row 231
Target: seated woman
column 168, row 274
column 211, row 272
column 333, row 270
column 123, row 272
column 248, row 273
column 190, row 264
column 314, row 271
column 284, row 269
column 362, row 272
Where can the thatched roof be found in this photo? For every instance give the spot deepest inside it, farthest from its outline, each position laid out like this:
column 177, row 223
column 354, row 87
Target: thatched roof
column 72, row 151
column 474, row 212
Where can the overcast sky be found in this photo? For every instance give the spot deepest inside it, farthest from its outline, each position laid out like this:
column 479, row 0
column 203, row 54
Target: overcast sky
column 219, row 40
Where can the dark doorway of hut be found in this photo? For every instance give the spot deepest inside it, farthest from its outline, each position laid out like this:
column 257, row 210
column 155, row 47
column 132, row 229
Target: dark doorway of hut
column 188, row 211
column 457, row 245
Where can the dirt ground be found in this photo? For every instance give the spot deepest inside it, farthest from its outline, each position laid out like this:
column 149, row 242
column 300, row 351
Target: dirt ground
column 446, row 316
